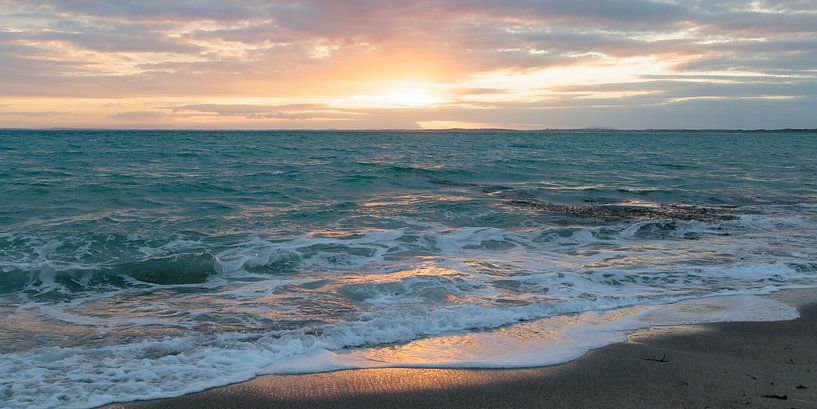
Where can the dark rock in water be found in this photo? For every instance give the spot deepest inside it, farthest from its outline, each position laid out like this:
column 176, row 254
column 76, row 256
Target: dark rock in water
column 520, row 198
column 628, row 212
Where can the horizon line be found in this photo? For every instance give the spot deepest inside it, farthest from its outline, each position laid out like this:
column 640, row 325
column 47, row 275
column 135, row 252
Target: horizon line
column 589, row 129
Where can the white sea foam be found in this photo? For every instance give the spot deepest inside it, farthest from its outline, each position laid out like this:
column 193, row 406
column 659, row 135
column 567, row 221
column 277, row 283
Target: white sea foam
column 86, row 377
column 279, row 306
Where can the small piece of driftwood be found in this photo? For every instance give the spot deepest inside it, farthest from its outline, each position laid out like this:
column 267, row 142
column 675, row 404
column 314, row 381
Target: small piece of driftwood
column 782, row 397
column 663, row 359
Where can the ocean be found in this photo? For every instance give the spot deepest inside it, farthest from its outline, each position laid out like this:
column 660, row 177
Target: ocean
column 146, row 264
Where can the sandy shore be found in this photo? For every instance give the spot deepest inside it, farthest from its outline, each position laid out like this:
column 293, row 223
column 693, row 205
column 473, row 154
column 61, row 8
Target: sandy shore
column 726, row 365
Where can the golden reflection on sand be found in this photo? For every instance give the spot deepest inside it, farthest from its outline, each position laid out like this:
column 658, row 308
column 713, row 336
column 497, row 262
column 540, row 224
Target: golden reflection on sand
column 487, row 345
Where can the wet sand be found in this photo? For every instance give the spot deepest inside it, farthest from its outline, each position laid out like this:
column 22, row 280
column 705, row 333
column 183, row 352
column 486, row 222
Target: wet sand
column 725, row 365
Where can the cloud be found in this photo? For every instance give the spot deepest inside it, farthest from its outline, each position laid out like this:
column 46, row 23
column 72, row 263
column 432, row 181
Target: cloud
column 479, row 91
column 281, row 112
column 177, row 10
column 34, row 114
column 151, row 116
column 117, row 38
column 310, row 52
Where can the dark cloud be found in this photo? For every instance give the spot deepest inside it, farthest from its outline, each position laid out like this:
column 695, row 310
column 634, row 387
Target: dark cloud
column 184, row 10
column 120, row 38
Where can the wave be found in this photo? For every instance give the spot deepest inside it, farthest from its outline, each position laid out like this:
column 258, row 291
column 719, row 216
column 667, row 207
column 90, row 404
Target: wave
column 66, row 265
column 179, row 268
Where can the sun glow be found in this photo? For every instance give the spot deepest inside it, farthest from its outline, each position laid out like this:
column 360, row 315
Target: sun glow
column 396, row 96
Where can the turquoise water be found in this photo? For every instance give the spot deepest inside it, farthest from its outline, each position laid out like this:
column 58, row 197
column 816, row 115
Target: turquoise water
column 188, row 252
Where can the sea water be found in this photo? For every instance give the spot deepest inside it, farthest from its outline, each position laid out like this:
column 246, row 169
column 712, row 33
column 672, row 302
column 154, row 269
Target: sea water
column 146, row 264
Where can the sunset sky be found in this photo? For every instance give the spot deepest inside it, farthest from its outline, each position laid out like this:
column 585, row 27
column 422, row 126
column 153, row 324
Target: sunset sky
column 398, row 64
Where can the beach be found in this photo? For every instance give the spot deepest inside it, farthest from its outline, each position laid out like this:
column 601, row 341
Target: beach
column 719, row 365
column 187, row 261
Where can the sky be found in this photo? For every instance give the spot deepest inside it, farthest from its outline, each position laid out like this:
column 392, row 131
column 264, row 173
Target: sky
column 367, row 64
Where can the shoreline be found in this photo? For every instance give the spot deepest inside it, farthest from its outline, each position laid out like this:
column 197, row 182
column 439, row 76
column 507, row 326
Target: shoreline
column 771, row 364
